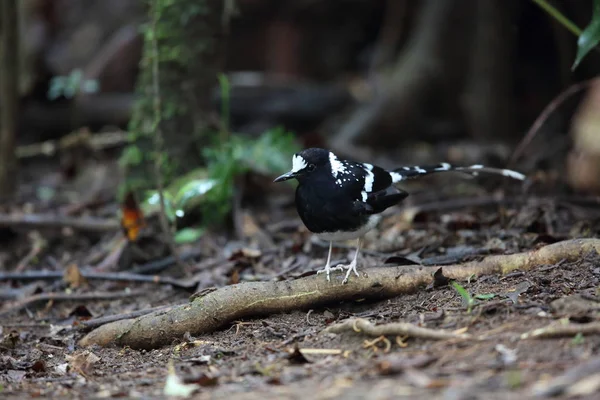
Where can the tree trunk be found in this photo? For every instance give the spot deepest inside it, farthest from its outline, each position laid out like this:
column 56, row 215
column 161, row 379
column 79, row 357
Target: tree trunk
column 9, row 95
column 489, row 93
column 189, row 46
column 429, row 71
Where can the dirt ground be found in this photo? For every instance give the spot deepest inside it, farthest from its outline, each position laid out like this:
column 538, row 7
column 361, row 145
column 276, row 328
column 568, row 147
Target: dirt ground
column 274, row 357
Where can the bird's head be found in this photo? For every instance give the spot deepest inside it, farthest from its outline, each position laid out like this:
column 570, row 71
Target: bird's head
column 305, row 163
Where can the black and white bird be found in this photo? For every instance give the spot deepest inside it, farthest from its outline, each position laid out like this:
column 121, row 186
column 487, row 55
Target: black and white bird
column 342, row 200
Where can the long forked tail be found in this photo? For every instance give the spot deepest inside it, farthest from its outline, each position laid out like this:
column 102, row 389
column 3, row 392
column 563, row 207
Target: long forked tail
column 404, row 173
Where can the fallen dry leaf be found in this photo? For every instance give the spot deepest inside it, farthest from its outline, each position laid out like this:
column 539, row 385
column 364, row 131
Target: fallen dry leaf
column 74, row 277
column 132, row 220
column 175, row 385
column 10, row 340
column 83, row 362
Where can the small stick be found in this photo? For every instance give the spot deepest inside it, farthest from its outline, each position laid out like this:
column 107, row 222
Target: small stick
column 112, row 259
column 322, row 352
column 37, row 245
column 107, row 276
column 38, row 221
column 393, row 329
column 96, row 141
column 163, row 263
column 53, row 296
column 558, row 331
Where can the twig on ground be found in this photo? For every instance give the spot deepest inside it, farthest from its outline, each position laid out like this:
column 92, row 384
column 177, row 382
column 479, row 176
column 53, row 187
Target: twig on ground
column 153, row 267
column 112, row 259
column 40, row 221
column 67, row 297
column 37, row 245
column 252, row 299
column 373, row 344
column 365, row 327
column 95, row 141
column 558, row 331
column 96, row 322
column 105, row 276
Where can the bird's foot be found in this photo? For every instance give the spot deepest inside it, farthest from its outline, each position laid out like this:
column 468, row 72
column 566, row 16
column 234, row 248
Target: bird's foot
column 350, row 268
column 328, row 269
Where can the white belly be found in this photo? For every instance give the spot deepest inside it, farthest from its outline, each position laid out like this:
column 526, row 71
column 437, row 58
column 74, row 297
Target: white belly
column 349, row 235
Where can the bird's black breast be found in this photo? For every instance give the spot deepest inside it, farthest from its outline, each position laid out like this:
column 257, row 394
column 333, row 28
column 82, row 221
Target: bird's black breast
column 344, row 199
column 327, row 207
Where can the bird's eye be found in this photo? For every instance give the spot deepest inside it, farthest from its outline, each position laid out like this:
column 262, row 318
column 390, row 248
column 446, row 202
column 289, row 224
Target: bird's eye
column 311, row 167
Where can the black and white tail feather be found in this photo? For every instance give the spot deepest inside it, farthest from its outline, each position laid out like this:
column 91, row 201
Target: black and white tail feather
column 405, row 173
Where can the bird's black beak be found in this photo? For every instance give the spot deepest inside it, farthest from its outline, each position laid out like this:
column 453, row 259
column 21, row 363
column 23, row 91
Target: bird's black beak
column 285, row 177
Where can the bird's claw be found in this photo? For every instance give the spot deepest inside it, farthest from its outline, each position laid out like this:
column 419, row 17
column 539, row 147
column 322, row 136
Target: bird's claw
column 350, row 268
column 328, row 270
column 341, row 267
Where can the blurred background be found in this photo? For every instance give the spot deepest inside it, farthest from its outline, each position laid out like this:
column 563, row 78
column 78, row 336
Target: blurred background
column 421, row 79
column 98, row 93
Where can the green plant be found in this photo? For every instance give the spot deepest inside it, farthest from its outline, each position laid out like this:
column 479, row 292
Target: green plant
column 468, row 300
column 268, row 154
column 211, row 188
column 68, row 86
column 588, row 38
column 578, row 339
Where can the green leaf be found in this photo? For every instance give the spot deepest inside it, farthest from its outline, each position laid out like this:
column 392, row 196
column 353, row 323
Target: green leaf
column 468, row 300
column 578, row 339
column 188, row 235
column 590, row 37
column 131, row 155
column 461, row 291
column 193, row 190
column 487, row 296
column 151, row 204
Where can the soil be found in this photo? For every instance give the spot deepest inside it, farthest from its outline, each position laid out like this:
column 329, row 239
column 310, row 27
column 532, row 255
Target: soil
column 271, row 357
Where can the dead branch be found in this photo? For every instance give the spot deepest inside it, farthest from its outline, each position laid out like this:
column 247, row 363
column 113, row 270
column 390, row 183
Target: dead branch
column 363, row 326
column 38, row 221
column 66, row 297
column 80, row 138
column 101, row 276
column 252, row 299
column 96, row 322
column 558, row 331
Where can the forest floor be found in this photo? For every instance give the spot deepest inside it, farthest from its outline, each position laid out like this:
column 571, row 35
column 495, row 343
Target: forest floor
column 291, row 355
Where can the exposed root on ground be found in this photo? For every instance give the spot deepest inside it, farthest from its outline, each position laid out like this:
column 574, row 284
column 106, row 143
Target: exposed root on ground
column 365, row 327
column 253, row 299
column 563, row 330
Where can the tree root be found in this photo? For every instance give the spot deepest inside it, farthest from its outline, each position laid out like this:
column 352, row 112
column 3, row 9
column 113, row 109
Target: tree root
column 560, row 330
column 252, row 299
column 394, row 329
